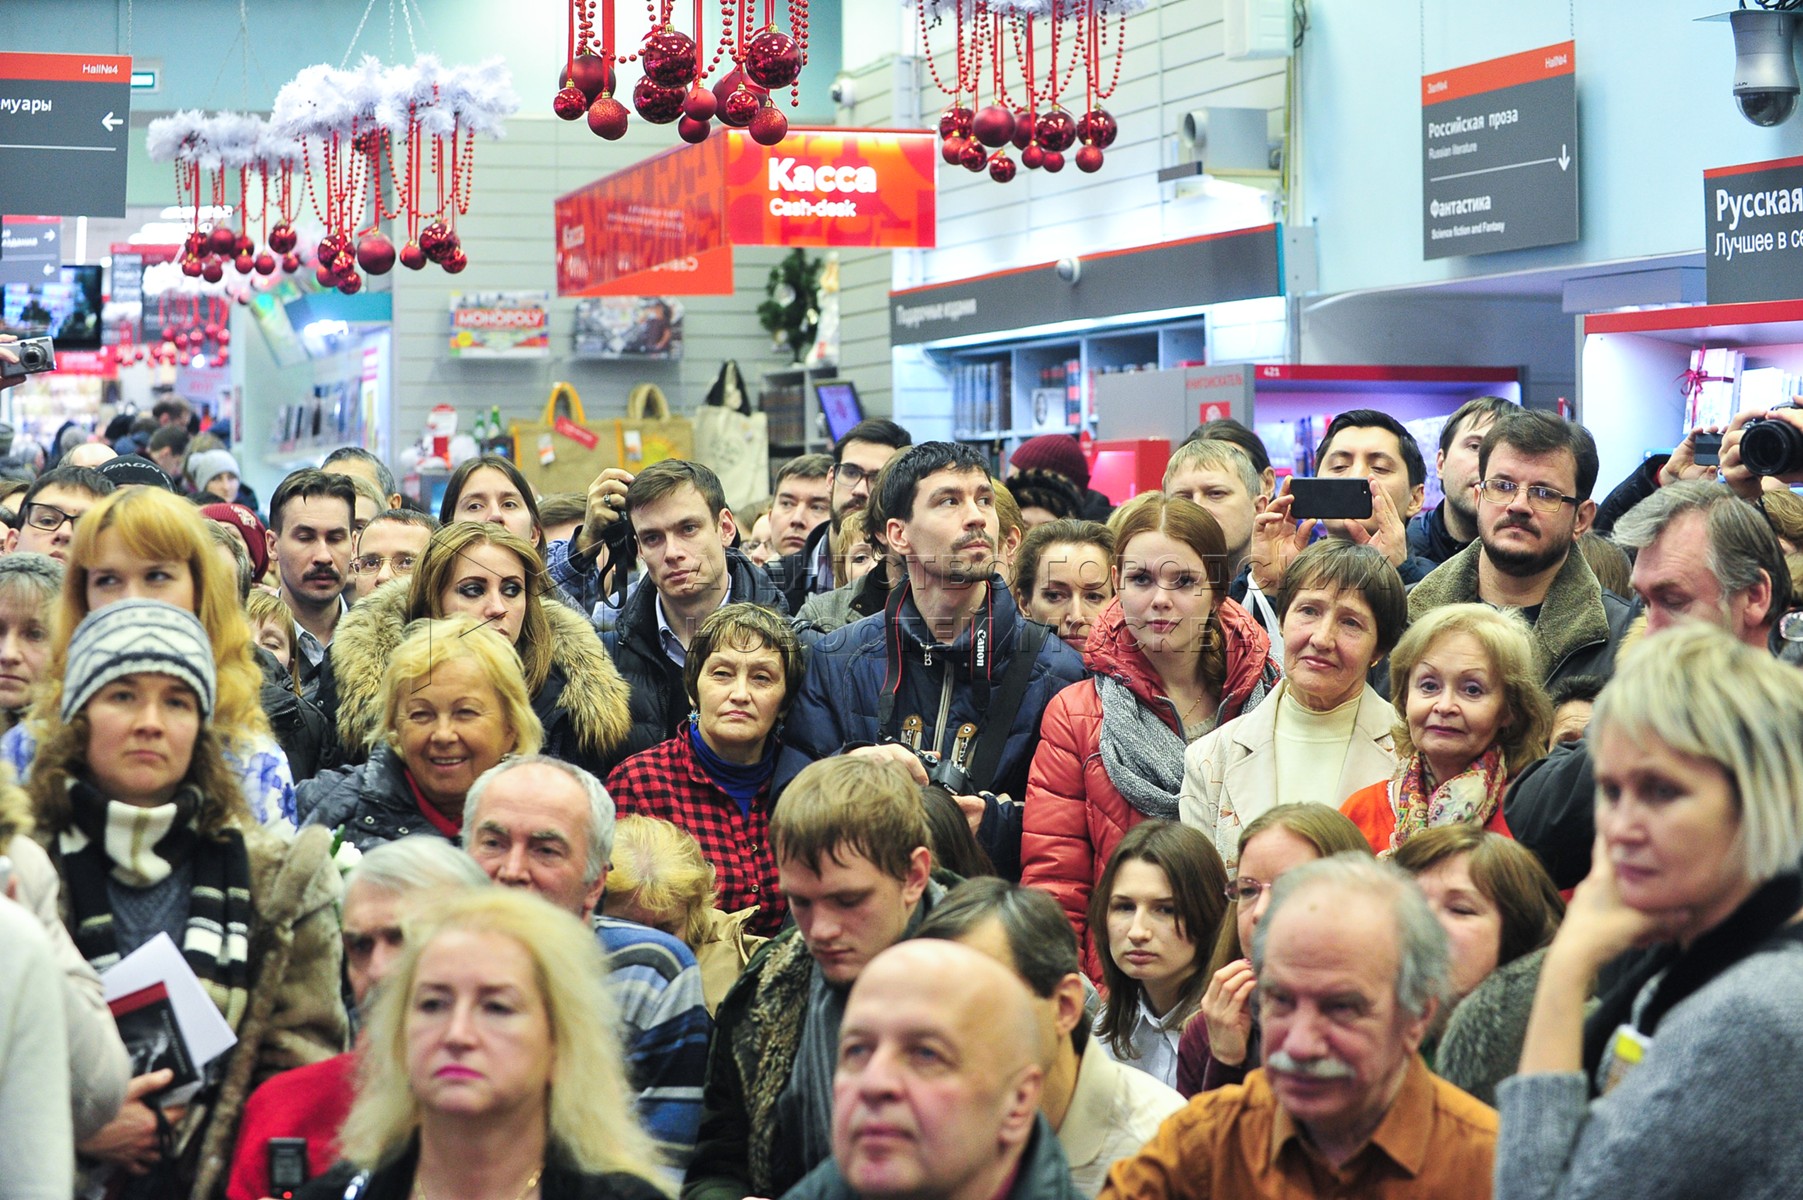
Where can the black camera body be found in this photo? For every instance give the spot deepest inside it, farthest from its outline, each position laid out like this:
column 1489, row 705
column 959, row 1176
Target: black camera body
column 1772, row 447
column 941, row 770
column 36, row 355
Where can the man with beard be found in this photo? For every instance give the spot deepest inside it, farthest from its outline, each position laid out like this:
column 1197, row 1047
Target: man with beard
column 950, row 668
column 1535, row 474
column 857, row 459
column 310, row 518
column 1438, row 533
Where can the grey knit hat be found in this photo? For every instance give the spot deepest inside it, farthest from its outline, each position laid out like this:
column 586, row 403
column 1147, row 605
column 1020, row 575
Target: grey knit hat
column 132, row 637
column 208, row 463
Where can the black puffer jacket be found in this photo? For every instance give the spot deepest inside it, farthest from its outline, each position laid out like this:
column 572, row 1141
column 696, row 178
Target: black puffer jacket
column 371, row 802
column 302, row 730
column 658, row 700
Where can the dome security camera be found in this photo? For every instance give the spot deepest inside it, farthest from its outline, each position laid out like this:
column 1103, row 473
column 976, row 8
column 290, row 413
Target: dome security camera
column 1765, row 74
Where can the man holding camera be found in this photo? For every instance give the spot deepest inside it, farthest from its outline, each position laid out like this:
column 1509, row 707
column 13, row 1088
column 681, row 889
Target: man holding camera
column 950, row 670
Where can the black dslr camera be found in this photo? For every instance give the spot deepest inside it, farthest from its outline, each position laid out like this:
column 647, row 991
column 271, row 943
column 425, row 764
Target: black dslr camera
column 1772, row 447
column 36, row 355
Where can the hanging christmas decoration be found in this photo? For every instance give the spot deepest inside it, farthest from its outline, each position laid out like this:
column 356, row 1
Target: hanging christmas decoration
column 1014, row 78
column 759, row 59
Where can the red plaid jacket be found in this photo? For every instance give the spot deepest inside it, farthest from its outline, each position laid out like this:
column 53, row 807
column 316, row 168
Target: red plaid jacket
column 668, row 781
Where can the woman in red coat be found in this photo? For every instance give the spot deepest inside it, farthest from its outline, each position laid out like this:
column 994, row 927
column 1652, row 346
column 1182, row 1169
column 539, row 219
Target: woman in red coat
column 1173, row 657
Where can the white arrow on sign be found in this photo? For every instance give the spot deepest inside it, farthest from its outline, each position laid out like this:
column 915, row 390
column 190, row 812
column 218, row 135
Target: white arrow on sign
column 111, row 122
column 1564, row 157
column 50, row 235
column 50, row 269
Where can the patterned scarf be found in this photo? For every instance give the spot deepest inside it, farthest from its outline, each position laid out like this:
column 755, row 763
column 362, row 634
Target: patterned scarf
column 1142, row 755
column 1469, row 798
column 140, row 847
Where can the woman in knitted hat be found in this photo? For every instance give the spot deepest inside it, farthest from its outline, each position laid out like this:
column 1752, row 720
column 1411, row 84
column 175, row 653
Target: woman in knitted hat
column 143, row 817
column 142, row 542
column 215, row 475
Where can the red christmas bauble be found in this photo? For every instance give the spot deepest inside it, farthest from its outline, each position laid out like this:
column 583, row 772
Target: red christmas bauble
column 590, row 72
column 327, row 279
column 992, row 126
column 243, row 245
column 213, row 332
column 412, row 257
column 328, row 249
column 351, row 284
column 454, row 265
column 223, row 337
column 1053, row 162
column 291, row 262
column 282, row 238
column 772, row 59
column 222, row 240
column 343, row 264
column 197, row 244
column 182, row 341
column 732, row 83
column 570, row 103
column 265, row 263
column 606, row 118
column 375, row 254
column 972, row 158
column 656, row 103
column 1001, row 167
column 699, row 104
column 955, row 122
column 1024, row 125
column 741, row 107
column 1056, row 130
column 1032, row 157
column 368, row 142
column 668, row 57
column 951, row 148
column 692, row 131
column 1098, row 128
column 192, row 267
column 1089, row 159
column 769, row 126
column 450, row 248
column 214, row 271
column 243, row 262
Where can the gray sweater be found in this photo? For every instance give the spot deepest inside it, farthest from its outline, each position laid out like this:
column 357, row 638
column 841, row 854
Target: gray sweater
column 1710, row 1112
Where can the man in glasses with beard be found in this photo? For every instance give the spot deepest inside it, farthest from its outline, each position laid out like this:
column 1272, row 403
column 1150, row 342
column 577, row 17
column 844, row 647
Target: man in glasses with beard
column 1535, row 474
column 950, row 654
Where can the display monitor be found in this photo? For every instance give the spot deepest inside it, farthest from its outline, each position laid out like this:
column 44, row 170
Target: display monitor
column 839, row 402
column 67, row 308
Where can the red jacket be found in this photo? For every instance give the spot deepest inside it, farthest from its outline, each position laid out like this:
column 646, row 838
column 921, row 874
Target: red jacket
column 1074, row 816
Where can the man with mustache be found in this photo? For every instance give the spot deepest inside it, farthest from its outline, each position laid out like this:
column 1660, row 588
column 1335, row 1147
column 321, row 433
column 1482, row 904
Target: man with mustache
column 931, row 673
column 310, row 518
column 1535, row 472
column 1352, row 970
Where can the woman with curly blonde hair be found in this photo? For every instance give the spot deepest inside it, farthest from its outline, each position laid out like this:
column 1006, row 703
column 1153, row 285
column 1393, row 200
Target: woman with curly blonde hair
column 493, row 1067
column 144, row 543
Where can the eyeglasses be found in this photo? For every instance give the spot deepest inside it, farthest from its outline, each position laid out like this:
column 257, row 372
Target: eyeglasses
column 48, row 517
column 851, row 474
column 1540, row 499
column 371, row 564
column 1246, row 889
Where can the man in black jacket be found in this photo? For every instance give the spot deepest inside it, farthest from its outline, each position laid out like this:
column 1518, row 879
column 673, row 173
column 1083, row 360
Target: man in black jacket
column 857, row 457
column 1438, row 533
column 1704, row 554
column 684, row 533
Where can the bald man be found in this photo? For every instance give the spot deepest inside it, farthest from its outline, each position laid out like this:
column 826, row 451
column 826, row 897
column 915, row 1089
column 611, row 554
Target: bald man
column 90, row 454
column 936, row 1095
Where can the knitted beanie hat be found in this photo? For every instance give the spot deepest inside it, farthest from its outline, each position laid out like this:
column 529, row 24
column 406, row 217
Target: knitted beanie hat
column 208, row 463
column 1054, row 452
column 133, row 637
column 133, row 469
column 256, row 538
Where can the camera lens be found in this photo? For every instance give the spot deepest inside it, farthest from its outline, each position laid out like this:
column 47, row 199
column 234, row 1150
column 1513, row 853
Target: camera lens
column 1769, row 447
column 1767, row 108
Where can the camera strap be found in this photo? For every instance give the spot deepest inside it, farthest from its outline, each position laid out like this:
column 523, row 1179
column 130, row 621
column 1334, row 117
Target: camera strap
column 1005, row 701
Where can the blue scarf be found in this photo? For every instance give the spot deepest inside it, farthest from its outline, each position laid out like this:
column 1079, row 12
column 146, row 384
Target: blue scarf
column 742, row 783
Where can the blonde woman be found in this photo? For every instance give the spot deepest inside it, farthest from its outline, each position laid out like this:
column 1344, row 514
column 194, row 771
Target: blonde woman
column 1470, row 714
column 493, row 1068
column 146, row 543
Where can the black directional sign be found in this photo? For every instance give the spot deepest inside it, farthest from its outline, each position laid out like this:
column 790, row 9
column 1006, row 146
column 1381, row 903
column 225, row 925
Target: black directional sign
column 1499, row 144
column 31, row 249
column 64, row 121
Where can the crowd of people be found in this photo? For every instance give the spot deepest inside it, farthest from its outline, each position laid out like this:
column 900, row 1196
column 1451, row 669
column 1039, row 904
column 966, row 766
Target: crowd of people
column 940, row 837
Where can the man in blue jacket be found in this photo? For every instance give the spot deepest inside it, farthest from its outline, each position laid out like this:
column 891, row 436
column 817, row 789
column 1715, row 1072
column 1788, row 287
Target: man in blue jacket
column 937, row 670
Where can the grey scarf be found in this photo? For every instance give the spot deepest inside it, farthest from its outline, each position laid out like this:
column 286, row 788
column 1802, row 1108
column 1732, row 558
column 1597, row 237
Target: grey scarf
column 1142, row 755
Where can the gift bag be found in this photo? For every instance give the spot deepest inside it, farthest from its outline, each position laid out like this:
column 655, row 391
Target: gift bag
column 649, row 433
column 734, row 441
column 563, row 451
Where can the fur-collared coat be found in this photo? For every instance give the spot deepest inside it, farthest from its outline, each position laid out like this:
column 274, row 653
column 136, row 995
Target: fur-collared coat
column 582, row 703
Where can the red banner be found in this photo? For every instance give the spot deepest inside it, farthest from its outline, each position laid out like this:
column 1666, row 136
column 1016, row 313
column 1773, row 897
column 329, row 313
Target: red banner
column 666, row 227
